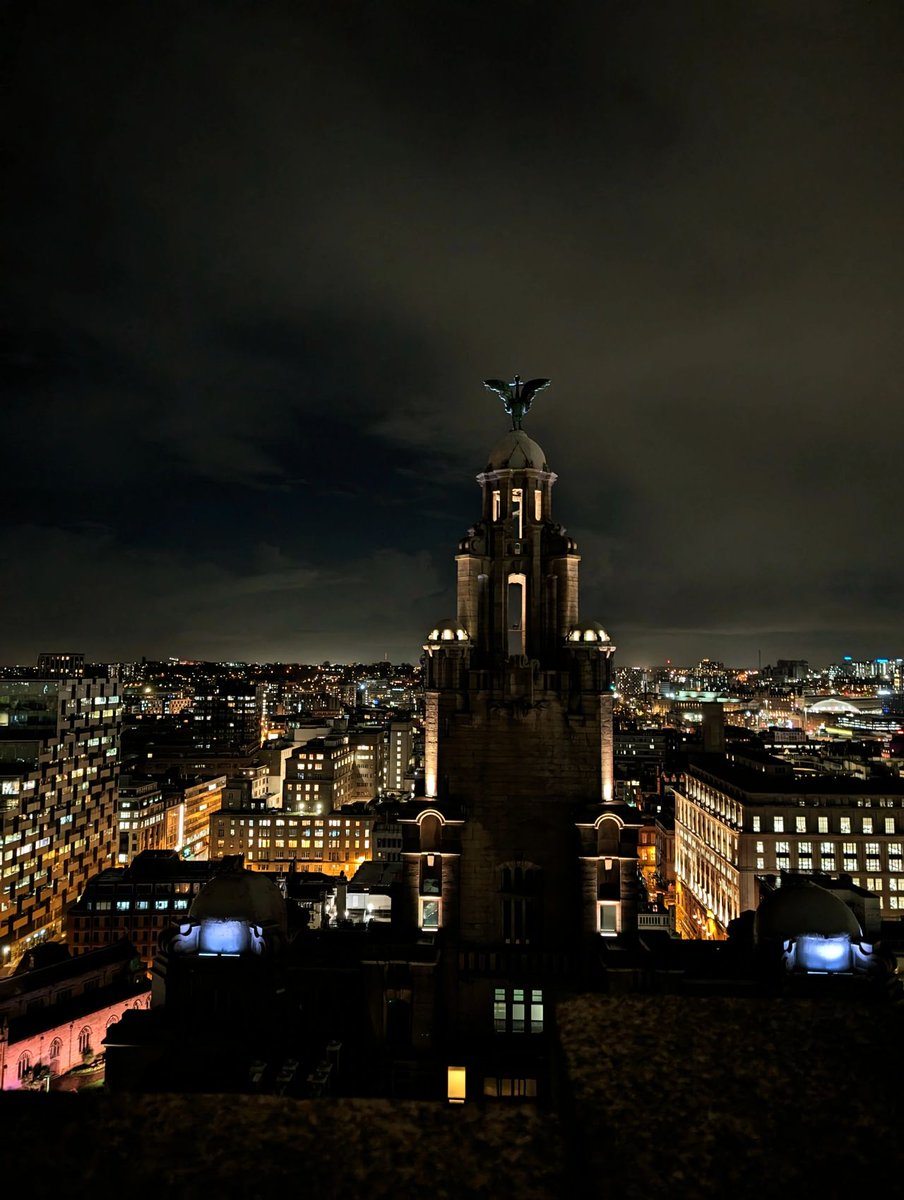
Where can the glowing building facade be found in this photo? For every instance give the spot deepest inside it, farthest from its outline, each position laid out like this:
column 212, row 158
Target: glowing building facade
column 737, row 819
column 59, row 769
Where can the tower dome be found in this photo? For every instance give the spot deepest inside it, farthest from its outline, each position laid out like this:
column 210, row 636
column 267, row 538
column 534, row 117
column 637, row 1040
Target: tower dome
column 240, row 896
column 804, row 908
column 591, row 631
column 515, row 452
column 447, row 630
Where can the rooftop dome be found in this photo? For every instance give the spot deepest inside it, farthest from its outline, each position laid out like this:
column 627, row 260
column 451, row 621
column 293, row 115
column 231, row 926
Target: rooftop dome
column 592, row 631
column 240, row 896
column 801, row 908
column 447, row 630
column 516, row 451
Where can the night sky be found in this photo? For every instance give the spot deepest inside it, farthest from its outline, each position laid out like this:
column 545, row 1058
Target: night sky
column 259, row 256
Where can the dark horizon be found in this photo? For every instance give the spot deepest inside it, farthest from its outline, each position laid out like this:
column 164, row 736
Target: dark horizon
column 259, row 259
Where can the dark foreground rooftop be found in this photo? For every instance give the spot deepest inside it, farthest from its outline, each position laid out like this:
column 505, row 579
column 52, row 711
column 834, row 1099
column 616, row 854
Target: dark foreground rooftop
column 657, row 1096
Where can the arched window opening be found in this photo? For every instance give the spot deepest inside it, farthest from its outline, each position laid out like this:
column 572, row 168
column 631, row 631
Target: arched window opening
column 518, row 513
column 517, row 614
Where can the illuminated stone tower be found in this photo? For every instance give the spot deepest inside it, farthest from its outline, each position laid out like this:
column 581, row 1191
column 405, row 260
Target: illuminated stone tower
column 520, row 839
column 518, row 692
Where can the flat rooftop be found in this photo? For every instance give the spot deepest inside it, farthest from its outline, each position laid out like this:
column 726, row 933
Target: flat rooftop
column 659, row 1097
column 777, row 778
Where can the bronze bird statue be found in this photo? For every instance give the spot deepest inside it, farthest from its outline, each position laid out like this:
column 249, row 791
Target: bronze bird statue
column 516, row 396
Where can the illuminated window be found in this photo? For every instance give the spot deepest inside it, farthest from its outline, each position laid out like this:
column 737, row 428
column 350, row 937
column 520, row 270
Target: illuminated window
column 515, row 1088
column 517, row 1010
column 889, row 824
column 608, row 914
column 518, row 513
column 497, row 505
column 844, row 825
column 429, row 913
column 756, row 824
column 778, row 824
column 800, row 824
column 822, row 824
column 538, row 504
column 867, row 824
column 517, row 610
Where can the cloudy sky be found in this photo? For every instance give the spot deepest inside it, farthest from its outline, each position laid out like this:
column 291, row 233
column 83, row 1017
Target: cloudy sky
column 258, row 257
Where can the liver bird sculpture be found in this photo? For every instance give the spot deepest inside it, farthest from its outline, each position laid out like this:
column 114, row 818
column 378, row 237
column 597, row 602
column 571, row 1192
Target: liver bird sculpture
column 516, row 396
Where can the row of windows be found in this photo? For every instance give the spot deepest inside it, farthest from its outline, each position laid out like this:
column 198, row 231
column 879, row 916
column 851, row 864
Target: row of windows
column 307, row 822
column 781, row 824
column 159, row 905
column 848, row 849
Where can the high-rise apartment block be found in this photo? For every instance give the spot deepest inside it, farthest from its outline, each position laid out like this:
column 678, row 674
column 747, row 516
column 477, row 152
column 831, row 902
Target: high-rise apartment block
column 141, row 817
column 56, row 664
column 320, row 775
column 398, row 750
column 59, row 766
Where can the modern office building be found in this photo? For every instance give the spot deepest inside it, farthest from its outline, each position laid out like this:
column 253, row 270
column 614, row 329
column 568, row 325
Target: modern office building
column 276, row 840
column 189, row 805
column 141, row 816
column 59, row 767
column 228, row 718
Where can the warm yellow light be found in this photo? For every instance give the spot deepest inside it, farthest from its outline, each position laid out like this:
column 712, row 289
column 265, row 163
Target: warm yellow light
column 456, row 1088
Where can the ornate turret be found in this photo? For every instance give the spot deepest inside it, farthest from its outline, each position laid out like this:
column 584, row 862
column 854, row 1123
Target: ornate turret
column 515, row 642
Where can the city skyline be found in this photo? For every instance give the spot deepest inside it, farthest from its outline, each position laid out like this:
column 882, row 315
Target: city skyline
column 261, row 259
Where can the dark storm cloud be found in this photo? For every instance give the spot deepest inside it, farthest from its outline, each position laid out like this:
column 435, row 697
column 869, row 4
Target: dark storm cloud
column 260, row 256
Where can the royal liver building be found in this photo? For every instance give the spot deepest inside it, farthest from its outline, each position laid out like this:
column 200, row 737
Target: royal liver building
column 518, row 855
